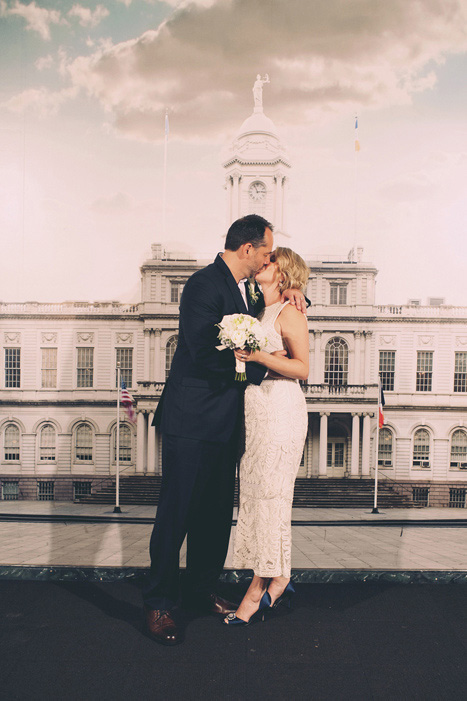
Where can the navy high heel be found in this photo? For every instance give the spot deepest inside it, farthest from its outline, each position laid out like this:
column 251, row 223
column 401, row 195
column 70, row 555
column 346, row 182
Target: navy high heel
column 233, row 620
column 285, row 598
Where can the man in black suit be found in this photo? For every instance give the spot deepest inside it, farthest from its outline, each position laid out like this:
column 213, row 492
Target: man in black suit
column 199, row 415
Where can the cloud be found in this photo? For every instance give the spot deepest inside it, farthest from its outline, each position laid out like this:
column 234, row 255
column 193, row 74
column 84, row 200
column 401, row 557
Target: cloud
column 43, row 101
column 44, row 62
column 119, row 203
column 87, row 17
column 331, row 56
column 38, row 19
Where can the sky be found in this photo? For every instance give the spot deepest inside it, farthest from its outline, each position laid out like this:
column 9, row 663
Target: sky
column 84, row 87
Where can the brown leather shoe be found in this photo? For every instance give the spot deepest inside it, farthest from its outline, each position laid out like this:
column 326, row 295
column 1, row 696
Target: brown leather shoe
column 161, row 627
column 220, row 606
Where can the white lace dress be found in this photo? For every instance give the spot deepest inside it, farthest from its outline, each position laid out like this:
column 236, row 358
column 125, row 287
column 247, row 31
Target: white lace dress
column 275, row 431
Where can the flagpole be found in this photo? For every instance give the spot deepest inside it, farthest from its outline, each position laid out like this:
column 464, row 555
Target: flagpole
column 164, row 186
column 356, row 149
column 117, row 509
column 375, row 504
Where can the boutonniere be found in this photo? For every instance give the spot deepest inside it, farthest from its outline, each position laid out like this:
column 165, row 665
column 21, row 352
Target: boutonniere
column 254, row 294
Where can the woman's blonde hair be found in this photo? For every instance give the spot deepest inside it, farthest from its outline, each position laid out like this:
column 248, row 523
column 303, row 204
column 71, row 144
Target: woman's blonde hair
column 292, row 269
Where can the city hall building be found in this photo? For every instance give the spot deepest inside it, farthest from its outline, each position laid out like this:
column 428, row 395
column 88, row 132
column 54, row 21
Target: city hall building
column 58, row 383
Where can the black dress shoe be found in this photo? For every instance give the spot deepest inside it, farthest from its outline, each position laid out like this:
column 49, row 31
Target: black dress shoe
column 161, row 627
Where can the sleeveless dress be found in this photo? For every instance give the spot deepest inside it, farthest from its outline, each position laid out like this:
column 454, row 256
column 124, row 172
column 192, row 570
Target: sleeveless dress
column 276, row 424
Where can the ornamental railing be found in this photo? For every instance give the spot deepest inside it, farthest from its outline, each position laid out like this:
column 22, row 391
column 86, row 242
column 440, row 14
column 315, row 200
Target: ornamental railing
column 325, row 390
column 154, row 389
column 113, row 308
column 405, row 310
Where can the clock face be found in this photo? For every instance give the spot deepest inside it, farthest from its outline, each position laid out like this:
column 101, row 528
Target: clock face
column 257, row 191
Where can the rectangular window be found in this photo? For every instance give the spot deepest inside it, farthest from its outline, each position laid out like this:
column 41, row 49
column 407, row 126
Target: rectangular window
column 45, row 491
column 10, row 491
column 457, row 498
column 176, row 289
column 424, row 371
column 125, row 358
column 12, row 367
column 85, row 367
column 338, row 293
column 81, row 489
column 387, row 368
column 420, row 495
column 49, row 368
column 460, row 372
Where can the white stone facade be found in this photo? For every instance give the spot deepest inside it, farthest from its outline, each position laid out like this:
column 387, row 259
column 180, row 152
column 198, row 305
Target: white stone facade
column 58, row 382
column 59, row 348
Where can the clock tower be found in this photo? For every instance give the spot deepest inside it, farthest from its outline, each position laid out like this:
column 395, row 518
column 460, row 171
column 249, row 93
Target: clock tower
column 256, row 168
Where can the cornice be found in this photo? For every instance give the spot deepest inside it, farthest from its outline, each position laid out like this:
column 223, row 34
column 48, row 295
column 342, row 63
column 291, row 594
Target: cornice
column 257, row 162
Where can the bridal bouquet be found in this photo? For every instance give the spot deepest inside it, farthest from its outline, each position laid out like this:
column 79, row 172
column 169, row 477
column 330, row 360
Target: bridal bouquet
column 241, row 331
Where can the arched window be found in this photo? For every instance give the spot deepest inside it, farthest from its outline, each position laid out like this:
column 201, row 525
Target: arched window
column 11, row 443
column 47, row 443
column 169, row 353
column 421, row 448
column 459, row 448
column 336, row 362
column 385, row 447
column 83, row 450
column 125, row 444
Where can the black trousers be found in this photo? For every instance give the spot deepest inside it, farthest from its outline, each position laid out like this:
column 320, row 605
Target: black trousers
column 196, row 500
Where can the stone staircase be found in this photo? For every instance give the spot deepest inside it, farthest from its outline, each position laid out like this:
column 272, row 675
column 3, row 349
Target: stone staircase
column 318, row 493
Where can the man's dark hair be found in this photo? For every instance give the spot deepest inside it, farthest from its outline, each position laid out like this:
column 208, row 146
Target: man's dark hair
column 249, row 229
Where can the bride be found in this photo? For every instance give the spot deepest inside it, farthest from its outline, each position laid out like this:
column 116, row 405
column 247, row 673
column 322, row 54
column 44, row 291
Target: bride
column 275, row 431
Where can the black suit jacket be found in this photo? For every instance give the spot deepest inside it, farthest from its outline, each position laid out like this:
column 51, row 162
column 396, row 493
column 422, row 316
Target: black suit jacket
column 201, row 399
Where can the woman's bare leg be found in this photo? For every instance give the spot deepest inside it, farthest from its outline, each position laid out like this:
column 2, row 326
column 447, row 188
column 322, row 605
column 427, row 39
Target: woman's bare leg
column 250, row 602
column 276, row 587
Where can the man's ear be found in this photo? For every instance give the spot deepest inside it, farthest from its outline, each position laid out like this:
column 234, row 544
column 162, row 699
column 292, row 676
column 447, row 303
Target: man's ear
column 246, row 249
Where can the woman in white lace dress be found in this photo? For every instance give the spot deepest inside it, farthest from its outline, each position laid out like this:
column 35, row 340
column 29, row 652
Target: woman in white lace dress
column 275, row 432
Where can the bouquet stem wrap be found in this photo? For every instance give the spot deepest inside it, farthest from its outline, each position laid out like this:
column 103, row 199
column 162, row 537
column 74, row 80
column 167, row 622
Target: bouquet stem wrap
column 241, row 331
column 240, row 370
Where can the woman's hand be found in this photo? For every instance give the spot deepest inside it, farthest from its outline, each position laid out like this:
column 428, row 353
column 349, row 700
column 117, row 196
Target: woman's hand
column 245, row 355
column 296, row 298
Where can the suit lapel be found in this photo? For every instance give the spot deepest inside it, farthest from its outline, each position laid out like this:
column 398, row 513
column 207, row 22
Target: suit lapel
column 232, row 285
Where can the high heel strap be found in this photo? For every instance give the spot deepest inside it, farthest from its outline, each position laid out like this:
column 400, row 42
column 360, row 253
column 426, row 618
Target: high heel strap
column 286, row 597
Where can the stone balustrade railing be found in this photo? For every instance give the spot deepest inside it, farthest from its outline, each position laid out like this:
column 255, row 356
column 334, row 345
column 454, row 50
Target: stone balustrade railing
column 113, row 308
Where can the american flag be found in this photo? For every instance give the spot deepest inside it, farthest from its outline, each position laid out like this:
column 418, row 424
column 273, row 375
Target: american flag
column 381, row 404
column 127, row 400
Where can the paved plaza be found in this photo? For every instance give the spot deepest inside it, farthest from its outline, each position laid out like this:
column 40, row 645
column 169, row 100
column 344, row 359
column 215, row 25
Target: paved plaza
column 318, row 547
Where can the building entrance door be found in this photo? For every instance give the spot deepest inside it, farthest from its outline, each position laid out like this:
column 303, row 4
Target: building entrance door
column 336, row 457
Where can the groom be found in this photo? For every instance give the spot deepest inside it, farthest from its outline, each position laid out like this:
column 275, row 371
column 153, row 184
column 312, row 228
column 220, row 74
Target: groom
column 199, row 415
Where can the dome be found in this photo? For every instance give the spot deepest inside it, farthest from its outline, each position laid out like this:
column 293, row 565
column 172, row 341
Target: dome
column 258, row 123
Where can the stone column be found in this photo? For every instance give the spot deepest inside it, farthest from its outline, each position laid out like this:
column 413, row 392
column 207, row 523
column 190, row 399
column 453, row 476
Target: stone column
column 276, row 199
column 140, row 441
column 284, row 204
column 366, row 445
column 151, row 356
column 323, row 444
column 157, row 463
column 367, row 377
column 151, row 468
column 157, row 355
column 354, row 459
column 311, row 353
column 147, row 334
column 317, row 376
column 309, row 448
column 358, row 356
column 279, row 202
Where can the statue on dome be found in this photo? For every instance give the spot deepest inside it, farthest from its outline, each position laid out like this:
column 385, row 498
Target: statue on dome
column 258, row 91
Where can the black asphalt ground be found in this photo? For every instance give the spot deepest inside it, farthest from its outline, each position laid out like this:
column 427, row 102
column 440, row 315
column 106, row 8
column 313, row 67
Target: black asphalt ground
column 341, row 641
